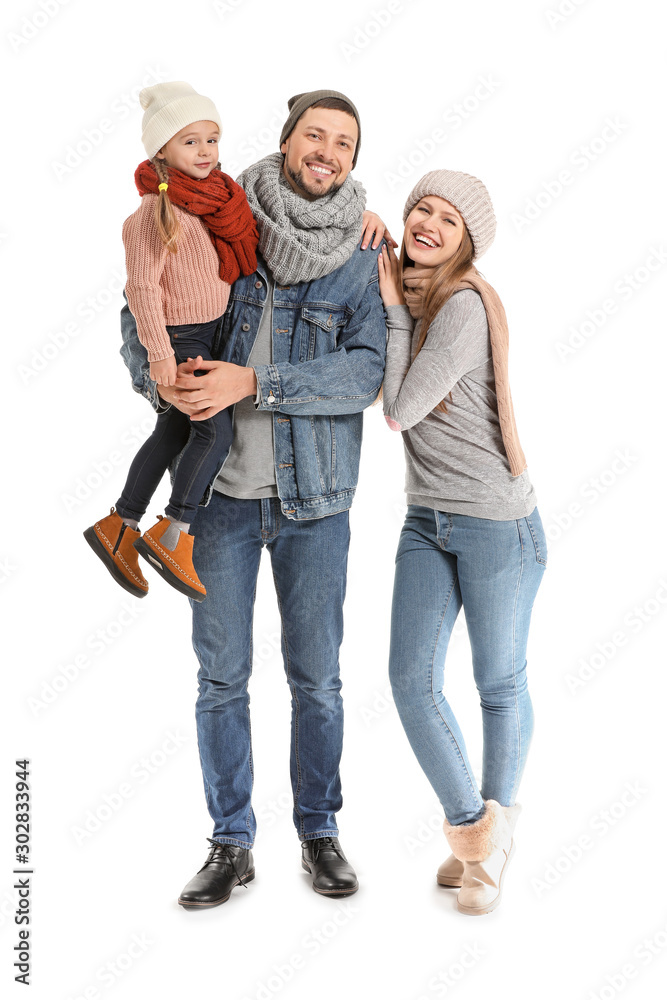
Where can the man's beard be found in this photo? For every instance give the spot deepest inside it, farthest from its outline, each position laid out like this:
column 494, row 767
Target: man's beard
column 299, row 181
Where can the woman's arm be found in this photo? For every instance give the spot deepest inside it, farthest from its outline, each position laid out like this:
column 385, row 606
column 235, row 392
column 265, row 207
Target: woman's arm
column 456, row 343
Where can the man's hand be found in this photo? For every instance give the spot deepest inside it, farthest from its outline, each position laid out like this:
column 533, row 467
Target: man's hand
column 372, row 227
column 203, row 396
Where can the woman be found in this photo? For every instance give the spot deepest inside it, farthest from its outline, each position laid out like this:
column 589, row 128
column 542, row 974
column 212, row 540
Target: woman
column 472, row 536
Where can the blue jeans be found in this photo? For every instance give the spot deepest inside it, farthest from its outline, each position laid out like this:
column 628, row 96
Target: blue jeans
column 202, row 444
column 493, row 569
column 309, row 563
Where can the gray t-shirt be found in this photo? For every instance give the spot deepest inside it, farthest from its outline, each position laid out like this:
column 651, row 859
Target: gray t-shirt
column 456, row 461
column 249, row 472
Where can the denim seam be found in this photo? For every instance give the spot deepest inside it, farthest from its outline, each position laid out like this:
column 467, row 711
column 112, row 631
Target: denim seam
column 207, row 790
column 332, row 424
column 540, row 558
column 317, row 455
column 230, row 840
column 473, row 784
column 248, row 821
column 450, row 524
column 296, row 707
column 319, row 833
column 514, row 642
column 195, row 472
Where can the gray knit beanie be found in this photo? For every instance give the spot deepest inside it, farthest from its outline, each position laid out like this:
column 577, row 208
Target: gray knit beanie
column 465, row 193
column 301, row 102
column 169, row 107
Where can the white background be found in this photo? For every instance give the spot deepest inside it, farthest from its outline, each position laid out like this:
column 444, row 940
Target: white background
column 100, row 689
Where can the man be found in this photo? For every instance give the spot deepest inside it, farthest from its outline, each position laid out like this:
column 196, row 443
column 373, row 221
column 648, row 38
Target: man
column 302, row 356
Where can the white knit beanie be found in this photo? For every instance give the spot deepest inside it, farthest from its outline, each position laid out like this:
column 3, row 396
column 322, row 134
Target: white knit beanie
column 169, row 107
column 465, row 193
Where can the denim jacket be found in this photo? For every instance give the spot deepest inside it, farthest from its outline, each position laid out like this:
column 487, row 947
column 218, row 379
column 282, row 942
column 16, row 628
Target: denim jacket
column 329, row 338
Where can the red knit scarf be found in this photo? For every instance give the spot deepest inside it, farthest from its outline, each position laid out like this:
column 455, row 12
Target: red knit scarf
column 221, row 204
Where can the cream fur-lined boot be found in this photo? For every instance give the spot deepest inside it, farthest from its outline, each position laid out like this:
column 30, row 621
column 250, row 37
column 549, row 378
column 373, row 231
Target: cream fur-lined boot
column 450, row 872
column 483, row 850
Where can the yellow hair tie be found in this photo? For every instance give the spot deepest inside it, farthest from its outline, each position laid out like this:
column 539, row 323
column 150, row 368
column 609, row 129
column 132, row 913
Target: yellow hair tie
column 162, row 187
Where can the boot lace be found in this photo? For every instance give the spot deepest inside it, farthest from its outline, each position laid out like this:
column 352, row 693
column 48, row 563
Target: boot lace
column 223, row 852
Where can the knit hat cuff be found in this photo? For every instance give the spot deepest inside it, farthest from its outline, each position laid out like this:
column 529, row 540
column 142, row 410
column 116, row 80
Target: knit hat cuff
column 468, row 195
column 169, row 120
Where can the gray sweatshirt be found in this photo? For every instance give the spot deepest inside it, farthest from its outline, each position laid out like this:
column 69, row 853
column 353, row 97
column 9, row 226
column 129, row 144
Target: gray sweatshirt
column 455, row 461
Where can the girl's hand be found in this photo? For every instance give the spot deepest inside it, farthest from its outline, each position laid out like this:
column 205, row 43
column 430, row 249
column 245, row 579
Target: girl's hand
column 164, row 372
column 391, row 283
column 373, row 224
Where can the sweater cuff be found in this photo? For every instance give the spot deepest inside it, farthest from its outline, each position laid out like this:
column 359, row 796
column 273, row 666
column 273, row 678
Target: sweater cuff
column 399, row 319
column 158, row 354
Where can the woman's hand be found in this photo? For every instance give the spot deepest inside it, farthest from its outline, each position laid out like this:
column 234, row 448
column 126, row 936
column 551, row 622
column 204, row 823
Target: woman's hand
column 164, row 372
column 204, row 396
column 391, row 281
column 373, row 224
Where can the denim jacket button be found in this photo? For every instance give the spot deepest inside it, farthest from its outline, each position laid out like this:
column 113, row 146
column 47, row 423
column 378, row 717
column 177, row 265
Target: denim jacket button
column 271, row 398
column 245, row 327
column 258, row 284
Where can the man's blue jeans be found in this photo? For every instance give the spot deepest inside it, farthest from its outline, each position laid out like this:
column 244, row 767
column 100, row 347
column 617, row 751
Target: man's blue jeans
column 493, row 569
column 309, row 562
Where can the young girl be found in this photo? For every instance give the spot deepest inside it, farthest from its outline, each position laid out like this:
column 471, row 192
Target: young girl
column 191, row 237
column 472, row 536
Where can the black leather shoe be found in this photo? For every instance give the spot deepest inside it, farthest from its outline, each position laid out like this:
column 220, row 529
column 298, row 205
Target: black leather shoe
column 333, row 875
column 225, row 867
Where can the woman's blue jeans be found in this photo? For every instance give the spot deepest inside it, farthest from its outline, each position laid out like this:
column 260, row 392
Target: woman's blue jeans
column 493, row 569
column 309, row 563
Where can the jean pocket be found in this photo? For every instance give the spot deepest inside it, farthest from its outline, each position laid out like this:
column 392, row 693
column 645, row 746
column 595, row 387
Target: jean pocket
column 185, row 330
column 534, row 523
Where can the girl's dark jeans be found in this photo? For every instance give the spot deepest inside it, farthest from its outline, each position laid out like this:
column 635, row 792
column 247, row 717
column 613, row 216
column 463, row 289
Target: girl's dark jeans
column 203, row 443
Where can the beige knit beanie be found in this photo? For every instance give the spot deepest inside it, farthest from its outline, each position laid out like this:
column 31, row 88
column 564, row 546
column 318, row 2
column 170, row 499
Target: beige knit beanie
column 169, row 107
column 465, row 193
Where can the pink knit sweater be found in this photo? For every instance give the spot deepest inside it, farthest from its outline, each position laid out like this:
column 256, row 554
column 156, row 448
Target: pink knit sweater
column 167, row 289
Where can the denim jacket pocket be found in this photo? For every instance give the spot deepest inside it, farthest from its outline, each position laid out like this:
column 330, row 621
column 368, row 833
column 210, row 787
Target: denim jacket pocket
column 534, row 523
column 319, row 331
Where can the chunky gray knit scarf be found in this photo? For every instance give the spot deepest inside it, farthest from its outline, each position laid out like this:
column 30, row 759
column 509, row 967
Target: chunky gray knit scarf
column 302, row 240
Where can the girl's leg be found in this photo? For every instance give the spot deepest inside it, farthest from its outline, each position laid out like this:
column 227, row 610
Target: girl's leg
column 425, row 605
column 170, row 436
column 203, row 454
column 208, row 441
column 500, row 567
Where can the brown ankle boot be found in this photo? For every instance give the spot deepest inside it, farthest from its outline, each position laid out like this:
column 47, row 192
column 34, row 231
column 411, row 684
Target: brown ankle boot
column 176, row 566
column 113, row 541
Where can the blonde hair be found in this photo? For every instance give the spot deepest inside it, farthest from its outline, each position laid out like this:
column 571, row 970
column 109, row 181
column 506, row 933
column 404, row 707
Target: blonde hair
column 166, row 219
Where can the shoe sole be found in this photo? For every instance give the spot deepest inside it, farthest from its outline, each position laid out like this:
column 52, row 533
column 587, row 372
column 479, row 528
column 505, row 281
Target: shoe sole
column 449, row 883
column 188, row 905
column 329, row 892
column 101, row 550
column 479, row 911
column 153, row 557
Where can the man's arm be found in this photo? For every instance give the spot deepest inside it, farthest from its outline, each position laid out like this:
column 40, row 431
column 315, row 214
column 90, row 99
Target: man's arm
column 344, row 381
